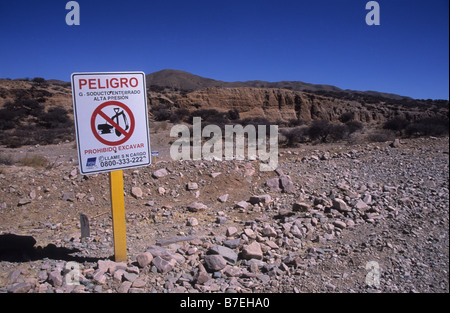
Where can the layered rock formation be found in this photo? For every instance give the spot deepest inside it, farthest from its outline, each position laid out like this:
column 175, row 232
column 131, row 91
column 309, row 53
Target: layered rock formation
column 283, row 104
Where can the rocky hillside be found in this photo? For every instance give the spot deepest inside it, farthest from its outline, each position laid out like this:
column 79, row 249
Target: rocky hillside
column 283, row 104
column 286, row 100
column 40, row 111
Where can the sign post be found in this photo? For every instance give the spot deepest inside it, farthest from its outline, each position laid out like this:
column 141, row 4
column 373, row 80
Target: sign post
column 154, row 155
column 84, row 225
column 111, row 124
column 118, row 216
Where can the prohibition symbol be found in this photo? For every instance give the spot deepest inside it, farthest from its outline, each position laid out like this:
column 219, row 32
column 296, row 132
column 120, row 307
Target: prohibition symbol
column 113, row 123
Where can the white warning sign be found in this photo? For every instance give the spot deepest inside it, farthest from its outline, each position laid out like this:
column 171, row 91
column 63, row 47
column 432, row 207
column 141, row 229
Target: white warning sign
column 111, row 123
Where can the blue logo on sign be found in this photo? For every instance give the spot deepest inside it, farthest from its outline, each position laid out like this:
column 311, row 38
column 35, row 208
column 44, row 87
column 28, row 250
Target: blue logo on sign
column 91, row 162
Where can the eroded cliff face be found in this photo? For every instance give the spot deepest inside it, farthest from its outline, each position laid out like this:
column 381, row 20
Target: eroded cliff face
column 283, row 104
column 274, row 104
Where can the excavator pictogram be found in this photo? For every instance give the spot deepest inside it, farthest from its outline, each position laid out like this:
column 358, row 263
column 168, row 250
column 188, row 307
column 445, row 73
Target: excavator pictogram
column 107, row 129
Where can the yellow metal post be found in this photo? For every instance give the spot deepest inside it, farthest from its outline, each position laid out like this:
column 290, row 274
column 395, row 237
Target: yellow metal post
column 118, row 215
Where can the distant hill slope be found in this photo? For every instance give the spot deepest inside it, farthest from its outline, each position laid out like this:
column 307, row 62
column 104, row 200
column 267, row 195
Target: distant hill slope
column 180, row 80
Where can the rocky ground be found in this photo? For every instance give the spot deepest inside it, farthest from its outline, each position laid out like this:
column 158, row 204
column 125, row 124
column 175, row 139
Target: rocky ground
column 332, row 218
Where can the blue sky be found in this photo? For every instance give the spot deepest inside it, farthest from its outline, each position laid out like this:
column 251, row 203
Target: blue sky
column 315, row 41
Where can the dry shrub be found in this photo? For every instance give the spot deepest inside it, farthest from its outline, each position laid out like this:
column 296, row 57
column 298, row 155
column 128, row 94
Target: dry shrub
column 34, row 160
column 6, row 159
column 437, row 126
column 381, row 135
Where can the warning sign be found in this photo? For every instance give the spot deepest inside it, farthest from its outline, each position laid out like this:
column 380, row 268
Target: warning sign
column 121, row 111
column 110, row 112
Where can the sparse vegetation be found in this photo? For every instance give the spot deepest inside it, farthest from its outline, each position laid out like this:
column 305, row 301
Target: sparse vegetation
column 381, row 135
column 397, row 124
column 428, row 127
column 34, row 160
column 354, row 126
column 321, row 131
column 294, row 136
column 6, row 159
column 435, row 126
column 346, row 117
column 161, row 112
column 25, row 122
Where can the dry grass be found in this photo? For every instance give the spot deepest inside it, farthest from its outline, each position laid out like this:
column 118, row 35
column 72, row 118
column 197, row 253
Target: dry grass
column 35, row 161
column 6, row 159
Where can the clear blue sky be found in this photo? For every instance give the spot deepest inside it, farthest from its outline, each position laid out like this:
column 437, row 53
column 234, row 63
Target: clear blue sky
column 315, row 41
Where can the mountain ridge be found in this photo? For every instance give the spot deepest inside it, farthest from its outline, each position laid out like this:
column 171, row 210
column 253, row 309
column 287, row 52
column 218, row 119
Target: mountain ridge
column 182, row 80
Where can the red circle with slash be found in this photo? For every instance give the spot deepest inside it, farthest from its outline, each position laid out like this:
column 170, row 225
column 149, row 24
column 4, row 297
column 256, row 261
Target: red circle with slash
column 126, row 134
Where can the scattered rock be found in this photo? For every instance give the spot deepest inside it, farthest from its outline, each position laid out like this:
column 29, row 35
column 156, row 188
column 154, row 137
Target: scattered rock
column 223, row 198
column 264, row 199
column 340, row 224
column 395, row 143
column 242, row 204
column 250, row 233
column 144, row 259
column 192, row 186
column 139, row 283
column 125, row 287
column 361, row 205
column 22, row 287
column 161, row 191
column 68, row 196
column 231, row 231
column 162, row 265
column 55, row 278
column 228, row 254
column 340, row 205
column 192, row 221
column 136, row 192
column 73, row 173
column 286, row 184
column 202, row 275
column 301, row 207
column 269, row 231
column 252, row 251
column 160, row 173
column 130, row 276
column 232, row 243
column 273, row 184
column 214, row 262
column 99, row 277
column 370, row 203
column 23, row 201
column 196, row 207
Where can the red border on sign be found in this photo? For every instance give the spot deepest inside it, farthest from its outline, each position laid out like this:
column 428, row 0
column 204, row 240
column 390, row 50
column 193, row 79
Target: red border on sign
column 98, row 111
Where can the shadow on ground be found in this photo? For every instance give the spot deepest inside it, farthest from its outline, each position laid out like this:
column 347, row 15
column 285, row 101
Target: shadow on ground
column 18, row 248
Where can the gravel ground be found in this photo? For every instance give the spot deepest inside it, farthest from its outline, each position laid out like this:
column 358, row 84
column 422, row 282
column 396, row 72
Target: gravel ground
column 332, row 218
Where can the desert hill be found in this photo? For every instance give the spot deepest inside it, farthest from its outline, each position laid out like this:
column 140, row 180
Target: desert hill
column 286, row 100
column 40, row 111
column 181, row 80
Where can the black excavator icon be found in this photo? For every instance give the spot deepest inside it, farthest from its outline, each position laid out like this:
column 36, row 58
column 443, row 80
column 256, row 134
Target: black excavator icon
column 107, row 129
